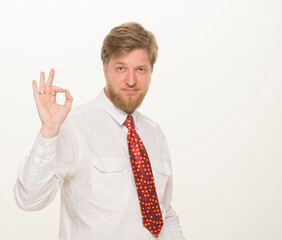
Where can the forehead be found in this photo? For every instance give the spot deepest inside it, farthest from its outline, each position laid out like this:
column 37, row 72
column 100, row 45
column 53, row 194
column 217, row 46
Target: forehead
column 136, row 57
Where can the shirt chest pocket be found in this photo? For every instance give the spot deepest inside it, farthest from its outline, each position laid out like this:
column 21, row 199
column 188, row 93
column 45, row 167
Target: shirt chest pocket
column 109, row 180
column 161, row 172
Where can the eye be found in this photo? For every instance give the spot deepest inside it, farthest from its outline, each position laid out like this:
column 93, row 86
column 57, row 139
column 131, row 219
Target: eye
column 141, row 69
column 120, row 69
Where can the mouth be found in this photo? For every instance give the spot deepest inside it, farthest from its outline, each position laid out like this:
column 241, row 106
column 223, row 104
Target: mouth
column 130, row 90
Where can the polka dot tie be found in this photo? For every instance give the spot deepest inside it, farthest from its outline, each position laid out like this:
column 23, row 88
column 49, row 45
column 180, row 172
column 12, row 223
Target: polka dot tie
column 144, row 180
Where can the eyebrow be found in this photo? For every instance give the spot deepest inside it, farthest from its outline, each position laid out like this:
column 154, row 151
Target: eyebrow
column 143, row 66
column 119, row 63
column 140, row 66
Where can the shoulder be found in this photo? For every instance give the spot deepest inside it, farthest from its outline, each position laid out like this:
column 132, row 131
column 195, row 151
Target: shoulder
column 83, row 114
column 83, row 111
column 147, row 123
column 142, row 119
column 85, row 108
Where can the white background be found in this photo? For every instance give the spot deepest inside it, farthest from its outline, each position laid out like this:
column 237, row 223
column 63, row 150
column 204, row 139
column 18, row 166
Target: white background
column 215, row 91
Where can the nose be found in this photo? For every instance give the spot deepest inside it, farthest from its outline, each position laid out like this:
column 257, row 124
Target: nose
column 131, row 78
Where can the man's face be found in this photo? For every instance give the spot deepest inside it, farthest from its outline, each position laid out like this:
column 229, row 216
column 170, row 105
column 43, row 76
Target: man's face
column 128, row 78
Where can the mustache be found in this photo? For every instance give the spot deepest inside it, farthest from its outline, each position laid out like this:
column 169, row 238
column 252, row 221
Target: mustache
column 131, row 88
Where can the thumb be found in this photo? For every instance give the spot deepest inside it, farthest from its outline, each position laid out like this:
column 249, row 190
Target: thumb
column 69, row 99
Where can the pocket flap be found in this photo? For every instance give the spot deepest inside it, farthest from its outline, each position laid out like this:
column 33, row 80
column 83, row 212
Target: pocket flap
column 110, row 164
column 162, row 165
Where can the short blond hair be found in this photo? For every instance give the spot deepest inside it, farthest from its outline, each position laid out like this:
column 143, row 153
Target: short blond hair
column 127, row 37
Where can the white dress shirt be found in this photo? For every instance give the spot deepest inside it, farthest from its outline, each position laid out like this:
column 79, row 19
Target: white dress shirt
column 89, row 160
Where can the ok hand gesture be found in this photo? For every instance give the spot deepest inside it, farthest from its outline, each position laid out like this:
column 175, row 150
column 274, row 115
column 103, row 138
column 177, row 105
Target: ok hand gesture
column 52, row 114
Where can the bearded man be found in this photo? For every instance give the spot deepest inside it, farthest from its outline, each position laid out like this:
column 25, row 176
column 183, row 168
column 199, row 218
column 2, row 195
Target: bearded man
column 111, row 163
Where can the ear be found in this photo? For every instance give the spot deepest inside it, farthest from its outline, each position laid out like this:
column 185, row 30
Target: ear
column 104, row 68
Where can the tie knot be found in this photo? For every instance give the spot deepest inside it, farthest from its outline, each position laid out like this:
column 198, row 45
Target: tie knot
column 129, row 122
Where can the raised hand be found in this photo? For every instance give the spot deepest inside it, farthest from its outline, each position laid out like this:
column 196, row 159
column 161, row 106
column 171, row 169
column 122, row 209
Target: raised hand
column 52, row 114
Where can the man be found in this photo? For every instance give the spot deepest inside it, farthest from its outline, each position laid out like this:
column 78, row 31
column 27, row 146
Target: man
column 111, row 162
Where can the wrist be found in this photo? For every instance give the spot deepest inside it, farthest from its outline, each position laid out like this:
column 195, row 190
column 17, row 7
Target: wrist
column 47, row 132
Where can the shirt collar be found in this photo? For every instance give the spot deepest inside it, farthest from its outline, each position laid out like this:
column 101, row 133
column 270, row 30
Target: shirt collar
column 117, row 114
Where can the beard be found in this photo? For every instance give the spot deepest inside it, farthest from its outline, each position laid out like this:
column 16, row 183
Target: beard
column 129, row 104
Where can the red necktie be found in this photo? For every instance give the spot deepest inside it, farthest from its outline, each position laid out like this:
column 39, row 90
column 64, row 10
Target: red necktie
column 144, row 180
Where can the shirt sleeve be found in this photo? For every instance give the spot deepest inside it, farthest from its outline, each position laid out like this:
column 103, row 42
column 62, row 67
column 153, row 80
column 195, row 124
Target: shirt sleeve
column 44, row 169
column 171, row 219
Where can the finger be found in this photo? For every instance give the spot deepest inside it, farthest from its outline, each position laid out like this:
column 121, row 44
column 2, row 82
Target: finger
column 50, row 81
column 35, row 90
column 42, row 82
column 56, row 89
column 34, row 87
column 69, row 99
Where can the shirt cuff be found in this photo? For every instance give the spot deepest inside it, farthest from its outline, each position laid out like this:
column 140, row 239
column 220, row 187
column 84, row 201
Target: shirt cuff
column 48, row 141
column 45, row 148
